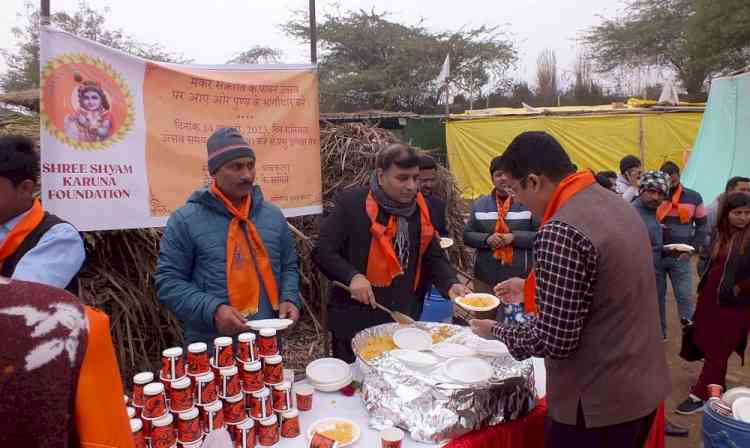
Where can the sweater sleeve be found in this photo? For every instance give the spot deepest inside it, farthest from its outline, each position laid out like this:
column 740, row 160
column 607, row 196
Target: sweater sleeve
column 289, row 291
column 442, row 272
column 331, row 242
column 524, row 239
column 473, row 236
column 173, row 277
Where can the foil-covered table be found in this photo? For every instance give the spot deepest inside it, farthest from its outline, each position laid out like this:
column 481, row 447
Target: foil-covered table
column 430, row 406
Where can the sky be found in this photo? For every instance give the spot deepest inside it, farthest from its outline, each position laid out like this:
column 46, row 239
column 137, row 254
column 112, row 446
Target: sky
column 214, row 32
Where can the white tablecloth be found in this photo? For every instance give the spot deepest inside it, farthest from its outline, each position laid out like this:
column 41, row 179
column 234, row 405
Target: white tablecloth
column 337, row 405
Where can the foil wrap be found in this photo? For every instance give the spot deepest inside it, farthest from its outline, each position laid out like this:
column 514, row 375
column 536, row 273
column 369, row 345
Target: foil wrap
column 431, row 407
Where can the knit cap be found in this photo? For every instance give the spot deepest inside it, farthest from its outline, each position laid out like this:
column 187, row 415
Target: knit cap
column 224, row 145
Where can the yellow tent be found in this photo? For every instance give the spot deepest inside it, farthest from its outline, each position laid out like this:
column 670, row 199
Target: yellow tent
column 595, row 137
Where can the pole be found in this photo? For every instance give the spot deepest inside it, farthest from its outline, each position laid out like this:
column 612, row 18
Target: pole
column 45, row 12
column 447, row 98
column 313, row 34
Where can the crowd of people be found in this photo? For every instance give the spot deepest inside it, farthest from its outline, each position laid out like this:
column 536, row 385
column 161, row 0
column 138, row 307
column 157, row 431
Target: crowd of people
column 579, row 260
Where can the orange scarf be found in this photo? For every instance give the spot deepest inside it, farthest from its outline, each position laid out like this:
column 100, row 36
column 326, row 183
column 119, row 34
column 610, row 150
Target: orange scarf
column 247, row 259
column 382, row 262
column 682, row 210
column 568, row 188
column 21, row 230
column 100, row 417
column 503, row 254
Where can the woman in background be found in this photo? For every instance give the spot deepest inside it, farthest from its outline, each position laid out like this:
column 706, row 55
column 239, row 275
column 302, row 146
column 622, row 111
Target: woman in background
column 722, row 315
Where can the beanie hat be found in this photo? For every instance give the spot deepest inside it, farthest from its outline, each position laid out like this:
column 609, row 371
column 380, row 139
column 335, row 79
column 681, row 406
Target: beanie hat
column 224, row 145
column 629, row 162
column 655, row 180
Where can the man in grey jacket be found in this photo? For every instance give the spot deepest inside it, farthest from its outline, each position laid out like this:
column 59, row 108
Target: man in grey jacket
column 504, row 249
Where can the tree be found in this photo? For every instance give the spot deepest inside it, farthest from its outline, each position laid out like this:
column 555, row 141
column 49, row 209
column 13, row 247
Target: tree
column 585, row 90
column 258, row 55
column 694, row 38
column 23, row 62
column 546, row 77
column 368, row 60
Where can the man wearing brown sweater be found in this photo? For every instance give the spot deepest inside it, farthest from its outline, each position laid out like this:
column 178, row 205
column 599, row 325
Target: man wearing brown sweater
column 592, row 291
column 59, row 378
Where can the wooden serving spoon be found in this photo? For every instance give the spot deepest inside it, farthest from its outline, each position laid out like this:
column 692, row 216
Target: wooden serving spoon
column 395, row 315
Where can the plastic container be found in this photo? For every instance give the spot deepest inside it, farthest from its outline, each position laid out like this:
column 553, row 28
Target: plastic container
column 268, row 343
column 229, row 382
column 273, row 370
column 246, row 347
column 198, row 358
column 172, row 363
column 252, row 377
column 437, row 308
column 723, row 432
column 189, row 427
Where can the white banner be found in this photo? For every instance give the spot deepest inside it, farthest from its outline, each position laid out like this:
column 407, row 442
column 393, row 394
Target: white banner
column 124, row 139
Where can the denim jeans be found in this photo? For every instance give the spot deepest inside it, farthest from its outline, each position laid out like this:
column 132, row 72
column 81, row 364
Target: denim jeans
column 681, row 274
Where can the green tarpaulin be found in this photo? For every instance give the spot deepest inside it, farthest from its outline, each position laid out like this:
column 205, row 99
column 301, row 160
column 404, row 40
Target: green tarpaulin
column 722, row 149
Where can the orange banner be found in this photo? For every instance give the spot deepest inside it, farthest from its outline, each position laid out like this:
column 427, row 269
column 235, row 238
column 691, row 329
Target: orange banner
column 275, row 110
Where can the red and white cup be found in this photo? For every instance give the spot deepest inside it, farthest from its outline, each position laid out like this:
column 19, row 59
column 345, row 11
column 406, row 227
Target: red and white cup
column 260, row 404
column 189, row 426
column 268, row 431
column 162, row 433
column 234, row 409
column 252, row 377
column 198, row 444
column 181, row 398
column 320, row 441
column 304, row 395
column 131, row 412
column 212, row 417
column 714, row 391
column 205, row 389
column 247, row 350
column 243, row 434
column 281, row 397
column 391, row 438
column 167, row 383
column 172, row 364
column 230, row 383
column 268, row 343
column 273, row 370
column 155, row 401
column 223, row 352
column 139, row 435
column 198, row 359
column 290, row 424
column 139, row 382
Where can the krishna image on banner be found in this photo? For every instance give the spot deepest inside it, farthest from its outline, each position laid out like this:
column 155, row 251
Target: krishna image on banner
column 85, row 103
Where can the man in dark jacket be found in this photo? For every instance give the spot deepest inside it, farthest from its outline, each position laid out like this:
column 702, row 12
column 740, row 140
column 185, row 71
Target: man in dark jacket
column 685, row 219
column 427, row 175
column 214, row 290
column 379, row 241
column 502, row 231
column 654, row 187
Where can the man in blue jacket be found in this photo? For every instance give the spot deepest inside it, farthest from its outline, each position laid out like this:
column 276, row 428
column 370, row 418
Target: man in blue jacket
column 502, row 231
column 211, row 292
